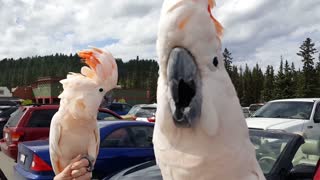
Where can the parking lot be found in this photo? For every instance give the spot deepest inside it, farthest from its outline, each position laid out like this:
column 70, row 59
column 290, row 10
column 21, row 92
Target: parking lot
column 6, row 165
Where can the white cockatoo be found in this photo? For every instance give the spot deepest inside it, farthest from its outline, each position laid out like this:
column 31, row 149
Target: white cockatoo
column 200, row 131
column 74, row 130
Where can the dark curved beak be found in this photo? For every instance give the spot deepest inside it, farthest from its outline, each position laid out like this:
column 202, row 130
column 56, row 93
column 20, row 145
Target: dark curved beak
column 185, row 87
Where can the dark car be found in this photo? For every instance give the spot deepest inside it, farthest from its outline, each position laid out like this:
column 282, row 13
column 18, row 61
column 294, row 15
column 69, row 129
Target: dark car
column 33, row 122
column 4, row 116
column 281, row 156
column 122, row 144
column 7, row 104
column 142, row 112
column 120, row 108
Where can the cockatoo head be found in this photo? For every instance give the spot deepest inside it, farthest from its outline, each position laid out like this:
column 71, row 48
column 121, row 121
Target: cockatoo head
column 188, row 47
column 83, row 92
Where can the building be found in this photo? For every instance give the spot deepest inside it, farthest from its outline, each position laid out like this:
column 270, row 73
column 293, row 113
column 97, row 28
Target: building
column 23, row 92
column 5, row 92
column 46, row 90
column 130, row 96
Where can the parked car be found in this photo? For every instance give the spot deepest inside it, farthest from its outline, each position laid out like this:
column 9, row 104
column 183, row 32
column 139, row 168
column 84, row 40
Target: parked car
column 317, row 172
column 7, row 104
column 33, row 122
column 254, row 107
column 246, row 112
column 281, row 156
column 290, row 115
column 142, row 112
column 123, row 144
column 120, row 108
column 4, row 116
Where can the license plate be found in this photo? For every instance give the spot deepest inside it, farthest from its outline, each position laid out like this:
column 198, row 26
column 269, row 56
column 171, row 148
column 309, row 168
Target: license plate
column 22, row 158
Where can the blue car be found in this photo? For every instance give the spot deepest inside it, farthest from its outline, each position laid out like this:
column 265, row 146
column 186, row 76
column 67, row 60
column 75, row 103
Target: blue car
column 122, row 144
column 120, row 108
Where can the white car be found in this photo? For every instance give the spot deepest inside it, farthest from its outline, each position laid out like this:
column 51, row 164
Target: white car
column 289, row 115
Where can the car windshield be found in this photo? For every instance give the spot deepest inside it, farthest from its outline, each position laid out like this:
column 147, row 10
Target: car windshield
column 269, row 147
column 15, row 117
column 8, row 112
column 146, row 112
column 134, row 110
column 286, row 109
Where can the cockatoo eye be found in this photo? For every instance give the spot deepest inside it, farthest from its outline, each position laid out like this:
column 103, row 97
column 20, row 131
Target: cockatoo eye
column 215, row 61
column 100, row 90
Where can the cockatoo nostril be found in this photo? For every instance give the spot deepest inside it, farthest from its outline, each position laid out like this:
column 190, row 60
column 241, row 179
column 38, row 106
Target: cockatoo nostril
column 184, row 84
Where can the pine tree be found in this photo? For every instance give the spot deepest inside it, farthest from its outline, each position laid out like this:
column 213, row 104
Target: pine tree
column 280, row 82
column 239, row 88
column 307, row 50
column 317, row 71
column 268, row 86
column 294, row 75
column 227, row 60
column 257, row 83
column 235, row 77
column 248, row 97
column 300, row 91
column 287, row 91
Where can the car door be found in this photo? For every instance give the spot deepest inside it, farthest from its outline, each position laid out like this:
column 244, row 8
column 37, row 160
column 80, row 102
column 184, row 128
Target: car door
column 37, row 127
column 316, row 119
column 125, row 147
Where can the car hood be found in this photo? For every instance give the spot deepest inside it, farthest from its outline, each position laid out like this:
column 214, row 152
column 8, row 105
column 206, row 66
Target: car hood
column 127, row 117
column 273, row 123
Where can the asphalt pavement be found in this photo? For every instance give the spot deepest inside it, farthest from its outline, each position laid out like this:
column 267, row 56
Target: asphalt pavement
column 6, row 165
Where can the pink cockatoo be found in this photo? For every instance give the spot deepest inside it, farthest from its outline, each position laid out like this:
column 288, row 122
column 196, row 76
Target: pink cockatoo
column 74, row 130
column 200, row 132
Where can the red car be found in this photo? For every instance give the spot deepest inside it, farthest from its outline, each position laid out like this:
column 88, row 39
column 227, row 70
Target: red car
column 32, row 123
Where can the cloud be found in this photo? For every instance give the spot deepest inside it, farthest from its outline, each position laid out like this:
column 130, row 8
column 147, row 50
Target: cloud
column 263, row 31
column 255, row 31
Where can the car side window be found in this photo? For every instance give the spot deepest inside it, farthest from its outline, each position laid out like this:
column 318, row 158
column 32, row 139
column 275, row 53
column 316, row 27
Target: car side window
column 41, row 118
column 317, row 113
column 118, row 138
column 126, row 107
column 116, row 107
column 105, row 116
column 142, row 136
column 130, row 137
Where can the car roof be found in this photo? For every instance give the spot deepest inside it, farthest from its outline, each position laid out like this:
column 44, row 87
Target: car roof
column 151, row 105
column 7, row 103
column 146, row 105
column 42, row 106
column 103, row 124
column 118, row 103
column 297, row 100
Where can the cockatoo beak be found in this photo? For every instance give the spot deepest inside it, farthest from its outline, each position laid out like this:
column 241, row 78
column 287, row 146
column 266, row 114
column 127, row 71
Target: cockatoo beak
column 185, row 87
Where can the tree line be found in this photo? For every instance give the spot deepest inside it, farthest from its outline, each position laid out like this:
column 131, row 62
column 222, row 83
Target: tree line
column 252, row 84
column 136, row 73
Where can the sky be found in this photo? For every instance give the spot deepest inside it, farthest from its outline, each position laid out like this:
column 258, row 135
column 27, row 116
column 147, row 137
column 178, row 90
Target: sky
column 255, row 31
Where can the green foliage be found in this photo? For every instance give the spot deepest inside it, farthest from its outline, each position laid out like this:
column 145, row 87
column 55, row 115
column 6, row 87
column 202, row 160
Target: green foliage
column 227, row 60
column 26, row 102
column 268, row 92
column 307, row 51
column 252, row 85
column 136, row 74
column 24, row 71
